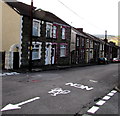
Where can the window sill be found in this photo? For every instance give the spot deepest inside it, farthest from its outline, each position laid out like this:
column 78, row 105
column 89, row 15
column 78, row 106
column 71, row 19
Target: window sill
column 35, row 59
column 63, row 56
column 35, row 36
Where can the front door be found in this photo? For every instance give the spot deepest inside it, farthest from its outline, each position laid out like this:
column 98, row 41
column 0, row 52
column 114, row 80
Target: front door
column 15, row 60
column 48, row 54
column 53, row 54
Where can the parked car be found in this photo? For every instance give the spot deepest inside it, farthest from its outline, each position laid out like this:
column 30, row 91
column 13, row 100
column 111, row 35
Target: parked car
column 103, row 60
column 116, row 60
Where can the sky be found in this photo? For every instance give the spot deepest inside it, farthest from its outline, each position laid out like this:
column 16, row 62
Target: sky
column 94, row 16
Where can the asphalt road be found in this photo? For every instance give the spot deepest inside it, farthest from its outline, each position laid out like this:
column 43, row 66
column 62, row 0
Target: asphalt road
column 86, row 86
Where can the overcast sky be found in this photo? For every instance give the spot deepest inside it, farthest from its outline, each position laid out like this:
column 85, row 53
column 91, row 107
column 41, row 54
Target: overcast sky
column 94, row 16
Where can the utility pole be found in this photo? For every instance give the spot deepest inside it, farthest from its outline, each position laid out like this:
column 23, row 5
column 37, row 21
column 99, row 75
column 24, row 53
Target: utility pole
column 106, row 34
column 105, row 48
column 30, row 41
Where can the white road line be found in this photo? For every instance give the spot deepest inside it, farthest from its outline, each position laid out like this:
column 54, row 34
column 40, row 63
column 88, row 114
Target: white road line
column 113, row 91
column 93, row 81
column 110, row 94
column 93, row 109
column 100, row 103
column 106, row 98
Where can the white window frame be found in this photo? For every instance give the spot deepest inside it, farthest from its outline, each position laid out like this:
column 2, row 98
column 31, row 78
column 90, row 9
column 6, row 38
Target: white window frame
column 47, row 27
column 61, row 48
column 36, row 48
column 63, row 33
column 87, row 43
column 54, row 31
column 91, row 44
column 78, row 41
column 101, row 46
column 39, row 26
column 83, row 40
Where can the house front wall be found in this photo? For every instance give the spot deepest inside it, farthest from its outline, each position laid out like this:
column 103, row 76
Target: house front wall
column 87, row 56
column 91, row 50
column 50, row 47
column 73, row 40
column 10, row 27
column 73, row 47
column 96, row 51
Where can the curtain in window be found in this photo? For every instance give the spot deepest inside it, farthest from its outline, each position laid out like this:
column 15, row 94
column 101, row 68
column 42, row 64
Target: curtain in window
column 62, row 50
column 36, row 28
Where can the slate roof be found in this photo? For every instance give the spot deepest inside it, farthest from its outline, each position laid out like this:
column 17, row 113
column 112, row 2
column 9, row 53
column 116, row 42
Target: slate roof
column 96, row 38
column 48, row 16
column 24, row 9
column 21, row 8
column 79, row 33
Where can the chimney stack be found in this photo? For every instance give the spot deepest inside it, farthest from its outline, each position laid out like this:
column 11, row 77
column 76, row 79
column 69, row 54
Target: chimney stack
column 80, row 29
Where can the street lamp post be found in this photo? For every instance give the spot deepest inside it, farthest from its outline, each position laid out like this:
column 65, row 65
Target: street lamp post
column 30, row 41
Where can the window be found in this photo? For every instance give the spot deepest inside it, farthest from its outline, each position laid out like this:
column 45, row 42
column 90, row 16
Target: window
column 54, row 32
column 63, row 33
column 48, row 30
column 62, row 50
column 91, row 44
column 83, row 54
column 82, row 42
column 36, row 27
column 91, row 53
column 101, row 46
column 78, row 41
column 36, row 51
column 87, row 43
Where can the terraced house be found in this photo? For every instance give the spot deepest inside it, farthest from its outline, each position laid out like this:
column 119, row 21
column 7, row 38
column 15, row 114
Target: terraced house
column 78, row 47
column 54, row 42
column 50, row 36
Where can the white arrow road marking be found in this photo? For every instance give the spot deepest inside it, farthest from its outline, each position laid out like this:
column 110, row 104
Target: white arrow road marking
column 17, row 106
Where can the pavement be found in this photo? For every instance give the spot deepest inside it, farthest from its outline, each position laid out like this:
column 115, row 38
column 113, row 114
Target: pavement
column 78, row 90
column 111, row 106
column 46, row 68
column 108, row 105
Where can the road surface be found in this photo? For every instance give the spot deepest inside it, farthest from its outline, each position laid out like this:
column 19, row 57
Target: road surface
column 69, row 91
